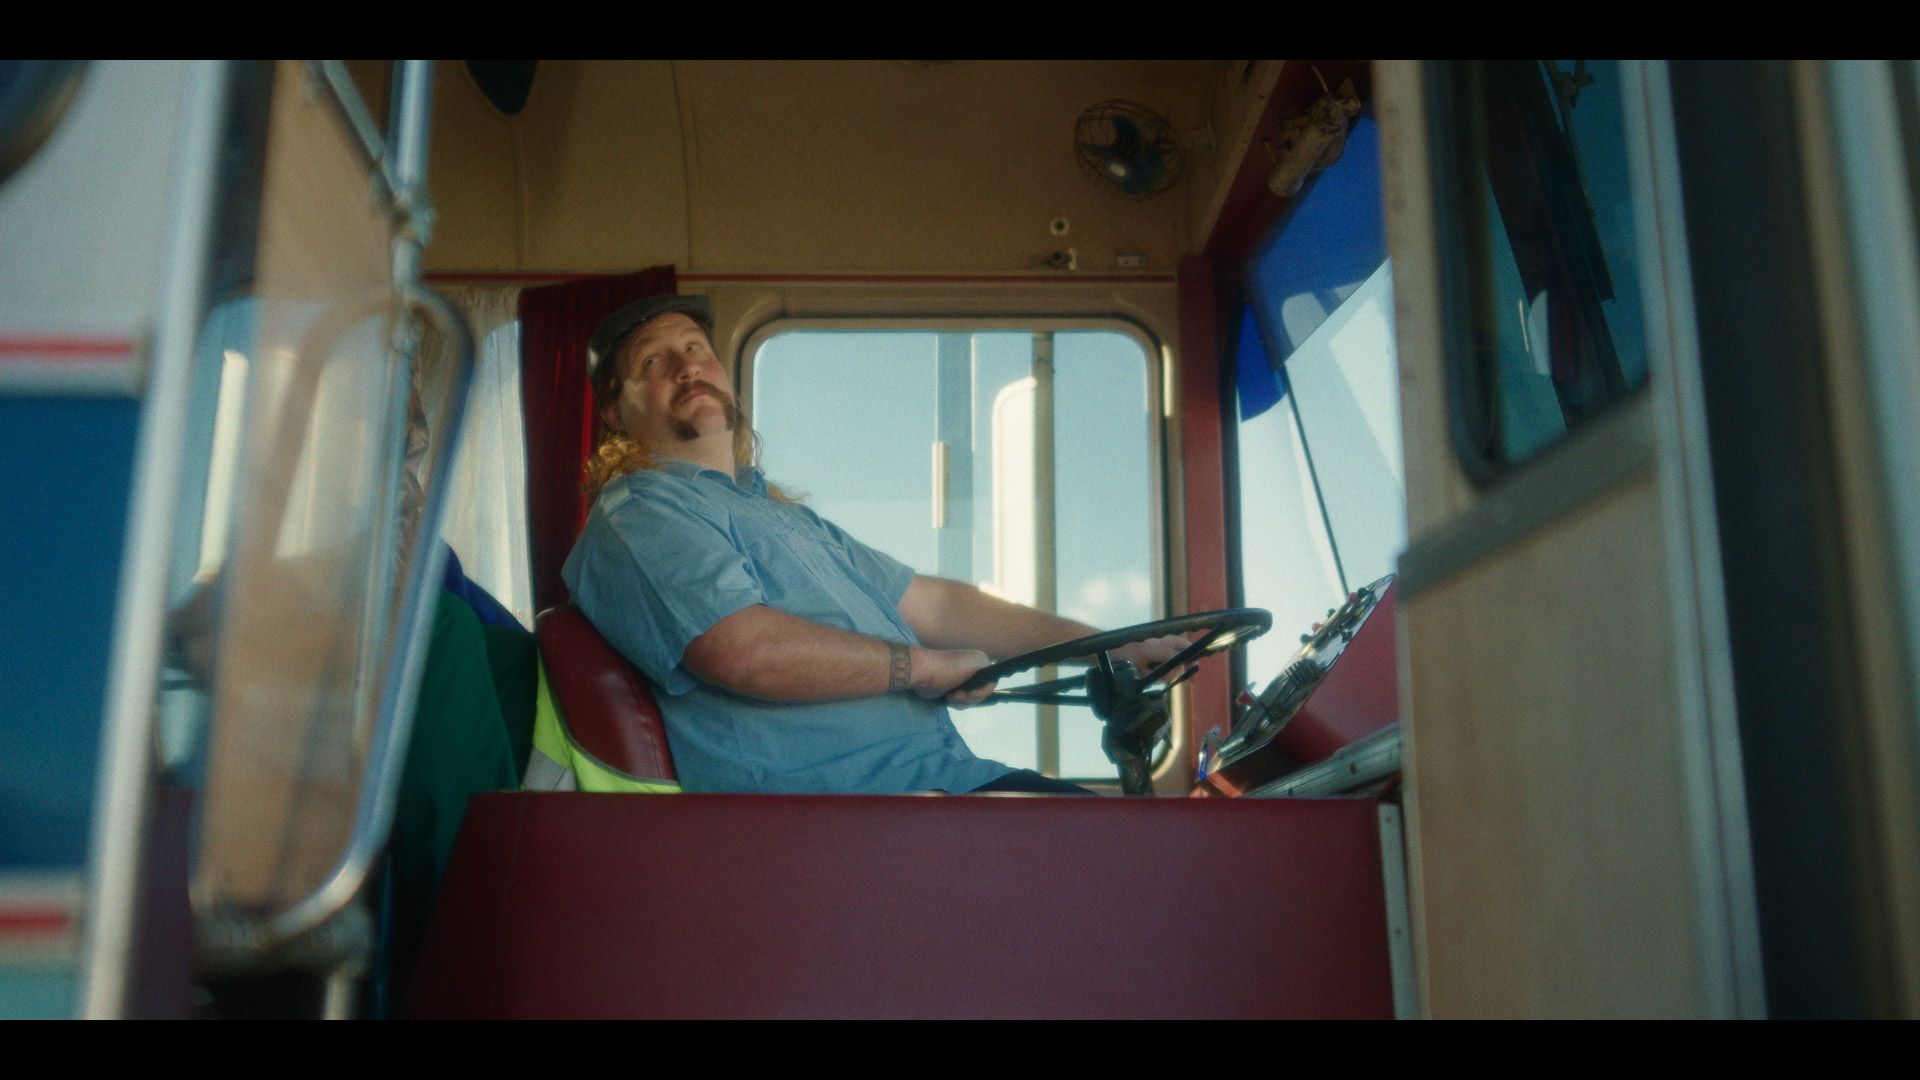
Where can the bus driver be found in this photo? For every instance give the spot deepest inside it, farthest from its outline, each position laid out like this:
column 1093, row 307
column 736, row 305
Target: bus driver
column 792, row 657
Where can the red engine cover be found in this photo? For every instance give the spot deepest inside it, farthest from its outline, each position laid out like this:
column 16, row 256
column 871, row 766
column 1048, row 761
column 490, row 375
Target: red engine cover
column 675, row 906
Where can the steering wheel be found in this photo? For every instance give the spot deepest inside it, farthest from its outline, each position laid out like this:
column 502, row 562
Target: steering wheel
column 1132, row 707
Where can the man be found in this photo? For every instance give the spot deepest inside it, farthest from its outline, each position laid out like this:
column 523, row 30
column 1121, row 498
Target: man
column 792, row 657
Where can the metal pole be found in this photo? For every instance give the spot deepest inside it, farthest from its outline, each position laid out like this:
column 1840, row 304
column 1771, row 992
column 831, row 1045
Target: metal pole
column 1045, row 579
column 406, row 163
column 124, row 787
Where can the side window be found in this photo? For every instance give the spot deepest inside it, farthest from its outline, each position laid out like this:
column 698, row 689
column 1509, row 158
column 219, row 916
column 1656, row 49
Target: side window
column 1022, row 459
column 1546, row 328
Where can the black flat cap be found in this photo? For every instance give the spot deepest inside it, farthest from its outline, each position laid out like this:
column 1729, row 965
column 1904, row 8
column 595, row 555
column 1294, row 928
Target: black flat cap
column 614, row 328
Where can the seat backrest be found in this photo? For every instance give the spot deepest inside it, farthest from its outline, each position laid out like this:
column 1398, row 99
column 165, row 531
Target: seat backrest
column 607, row 705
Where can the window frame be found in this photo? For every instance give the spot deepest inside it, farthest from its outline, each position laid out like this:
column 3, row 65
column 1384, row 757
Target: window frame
column 1457, row 157
column 1161, row 431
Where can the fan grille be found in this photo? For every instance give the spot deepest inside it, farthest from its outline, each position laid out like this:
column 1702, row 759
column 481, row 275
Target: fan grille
column 1128, row 147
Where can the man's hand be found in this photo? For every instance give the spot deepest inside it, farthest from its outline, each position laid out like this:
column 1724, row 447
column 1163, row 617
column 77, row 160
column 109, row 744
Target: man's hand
column 935, row 672
column 1151, row 653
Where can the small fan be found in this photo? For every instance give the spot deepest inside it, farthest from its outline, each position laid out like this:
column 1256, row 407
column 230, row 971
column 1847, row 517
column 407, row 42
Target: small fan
column 1129, row 146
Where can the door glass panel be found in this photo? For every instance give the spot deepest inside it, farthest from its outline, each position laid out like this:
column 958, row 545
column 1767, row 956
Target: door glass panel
column 1553, row 330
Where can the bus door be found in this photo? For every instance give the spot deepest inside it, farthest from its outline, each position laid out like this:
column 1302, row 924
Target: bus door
column 1576, row 814
column 209, row 319
column 106, row 185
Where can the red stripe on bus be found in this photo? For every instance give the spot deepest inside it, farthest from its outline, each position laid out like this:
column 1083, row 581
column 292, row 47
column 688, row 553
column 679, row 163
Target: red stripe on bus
column 25, row 923
column 63, row 348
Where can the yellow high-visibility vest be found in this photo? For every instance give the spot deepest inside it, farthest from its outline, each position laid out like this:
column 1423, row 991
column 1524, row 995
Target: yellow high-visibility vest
column 560, row 764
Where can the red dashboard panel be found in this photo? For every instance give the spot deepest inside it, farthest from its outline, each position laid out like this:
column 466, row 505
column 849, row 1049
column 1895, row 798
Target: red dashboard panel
column 1359, row 696
column 577, row 905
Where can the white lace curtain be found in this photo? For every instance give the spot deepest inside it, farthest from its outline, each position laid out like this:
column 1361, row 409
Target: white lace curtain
column 486, row 519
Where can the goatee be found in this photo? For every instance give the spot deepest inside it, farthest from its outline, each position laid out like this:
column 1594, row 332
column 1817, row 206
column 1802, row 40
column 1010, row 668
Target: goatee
column 688, row 433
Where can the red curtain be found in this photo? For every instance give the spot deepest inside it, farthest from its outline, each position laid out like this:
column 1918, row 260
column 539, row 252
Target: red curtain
column 555, row 323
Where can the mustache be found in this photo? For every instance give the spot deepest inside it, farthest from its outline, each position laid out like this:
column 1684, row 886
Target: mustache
column 688, row 431
column 701, row 387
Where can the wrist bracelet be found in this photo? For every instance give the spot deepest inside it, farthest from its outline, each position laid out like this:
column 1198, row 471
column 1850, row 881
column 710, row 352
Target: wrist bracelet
column 899, row 666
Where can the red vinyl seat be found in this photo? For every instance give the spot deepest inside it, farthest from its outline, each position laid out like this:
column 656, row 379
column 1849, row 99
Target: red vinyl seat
column 608, row 705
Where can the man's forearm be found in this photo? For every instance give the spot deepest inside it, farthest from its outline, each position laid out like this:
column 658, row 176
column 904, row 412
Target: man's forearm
column 954, row 615
column 763, row 653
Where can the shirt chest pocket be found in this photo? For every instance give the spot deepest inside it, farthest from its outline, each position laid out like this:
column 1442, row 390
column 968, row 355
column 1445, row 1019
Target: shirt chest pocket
column 792, row 559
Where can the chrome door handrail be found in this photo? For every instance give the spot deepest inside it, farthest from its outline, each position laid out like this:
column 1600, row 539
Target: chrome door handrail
column 380, row 781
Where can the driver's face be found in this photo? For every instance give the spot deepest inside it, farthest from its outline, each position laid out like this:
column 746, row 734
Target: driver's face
column 673, row 388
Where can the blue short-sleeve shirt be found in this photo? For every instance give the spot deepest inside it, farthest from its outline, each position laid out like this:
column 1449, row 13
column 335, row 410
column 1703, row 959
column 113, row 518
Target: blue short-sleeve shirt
column 670, row 551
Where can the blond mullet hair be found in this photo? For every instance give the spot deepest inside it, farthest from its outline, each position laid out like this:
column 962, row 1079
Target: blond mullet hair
column 616, row 455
